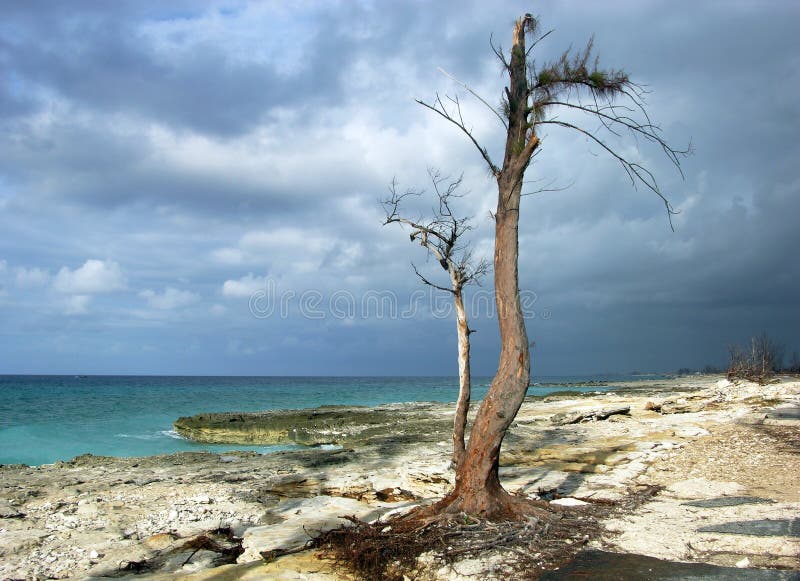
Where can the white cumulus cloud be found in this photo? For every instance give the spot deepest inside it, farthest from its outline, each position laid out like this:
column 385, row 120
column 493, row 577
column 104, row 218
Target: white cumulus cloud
column 31, row 277
column 94, row 277
column 77, row 304
column 228, row 256
column 171, row 298
column 245, row 286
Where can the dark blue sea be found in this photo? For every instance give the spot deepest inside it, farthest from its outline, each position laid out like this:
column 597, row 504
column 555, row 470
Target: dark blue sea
column 48, row 418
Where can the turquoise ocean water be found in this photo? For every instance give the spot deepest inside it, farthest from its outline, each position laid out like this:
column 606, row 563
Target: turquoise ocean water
column 48, row 418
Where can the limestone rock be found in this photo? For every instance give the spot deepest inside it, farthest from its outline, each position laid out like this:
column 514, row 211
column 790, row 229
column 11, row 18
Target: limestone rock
column 347, row 425
column 568, row 501
column 128, row 510
column 7, row 511
column 20, row 541
column 394, row 495
column 563, row 419
column 160, row 541
column 301, row 520
column 691, row 431
column 682, row 406
column 695, row 488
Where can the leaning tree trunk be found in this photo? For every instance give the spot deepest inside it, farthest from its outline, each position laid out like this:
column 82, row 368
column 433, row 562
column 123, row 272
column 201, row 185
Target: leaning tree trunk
column 478, row 489
column 464, row 380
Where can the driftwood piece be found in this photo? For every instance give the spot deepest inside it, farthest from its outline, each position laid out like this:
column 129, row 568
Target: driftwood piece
column 594, row 415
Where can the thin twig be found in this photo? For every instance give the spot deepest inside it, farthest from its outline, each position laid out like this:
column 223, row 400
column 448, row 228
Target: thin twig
column 474, row 94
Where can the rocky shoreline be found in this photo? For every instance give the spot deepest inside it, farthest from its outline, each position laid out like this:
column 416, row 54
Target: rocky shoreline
column 735, row 447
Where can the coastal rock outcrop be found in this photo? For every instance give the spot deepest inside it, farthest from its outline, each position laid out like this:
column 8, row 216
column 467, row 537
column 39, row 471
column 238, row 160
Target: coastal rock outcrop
column 318, row 426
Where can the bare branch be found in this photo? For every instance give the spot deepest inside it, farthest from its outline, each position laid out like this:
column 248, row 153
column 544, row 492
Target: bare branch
column 473, row 272
column 474, row 94
column 538, row 40
column 547, row 188
column 560, row 83
column 419, row 229
column 441, row 234
column 637, row 173
column 498, row 51
column 438, row 107
column 646, row 130
column 429, row 283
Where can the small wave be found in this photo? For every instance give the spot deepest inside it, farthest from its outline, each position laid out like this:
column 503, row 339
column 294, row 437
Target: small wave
column 153, row 435
column 171, row 434
column 330, row 447
column 137, row 436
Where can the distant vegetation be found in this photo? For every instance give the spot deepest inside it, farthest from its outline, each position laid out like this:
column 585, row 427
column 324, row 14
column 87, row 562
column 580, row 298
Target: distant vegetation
column 794, row 365
column 707, row 370
column 760, row 360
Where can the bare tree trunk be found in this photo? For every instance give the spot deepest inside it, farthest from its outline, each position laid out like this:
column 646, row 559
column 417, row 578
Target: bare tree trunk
column 531, row 92
column 442, row 237
column 464, row 380
column 478, row 489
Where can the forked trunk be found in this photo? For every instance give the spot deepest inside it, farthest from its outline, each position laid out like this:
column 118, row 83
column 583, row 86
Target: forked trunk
column 478, row 489
column 464, row 380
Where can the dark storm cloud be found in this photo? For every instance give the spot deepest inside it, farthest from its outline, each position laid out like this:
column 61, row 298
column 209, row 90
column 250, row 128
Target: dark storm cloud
column 105, row 60
column 623, row 288
column 102, row 60
column 184, row 145
column 87, row 59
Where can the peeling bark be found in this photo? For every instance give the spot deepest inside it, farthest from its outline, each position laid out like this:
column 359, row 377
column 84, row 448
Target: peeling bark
column 441, row 236
column 464, row 381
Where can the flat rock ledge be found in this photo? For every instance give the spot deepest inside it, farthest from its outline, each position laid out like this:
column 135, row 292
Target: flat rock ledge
column 318, row 426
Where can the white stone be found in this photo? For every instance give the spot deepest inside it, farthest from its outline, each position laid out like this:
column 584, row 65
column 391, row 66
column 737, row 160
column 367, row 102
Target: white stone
column 87, row 509
column 743, row 564
column 695, row 488
column 691, row 431
column 408, row 507
column 568, row 501
column 303, row 518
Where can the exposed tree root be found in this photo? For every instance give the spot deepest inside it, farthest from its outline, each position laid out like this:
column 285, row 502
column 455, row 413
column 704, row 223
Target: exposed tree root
column 498, row 506
column 532, row 542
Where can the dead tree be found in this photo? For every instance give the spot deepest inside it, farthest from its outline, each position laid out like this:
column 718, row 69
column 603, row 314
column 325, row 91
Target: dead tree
column 442, row 236
column 610, row 100
column 759, row 363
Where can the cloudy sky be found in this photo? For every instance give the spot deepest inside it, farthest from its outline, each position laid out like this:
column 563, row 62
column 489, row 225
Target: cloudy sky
column 192, row 187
